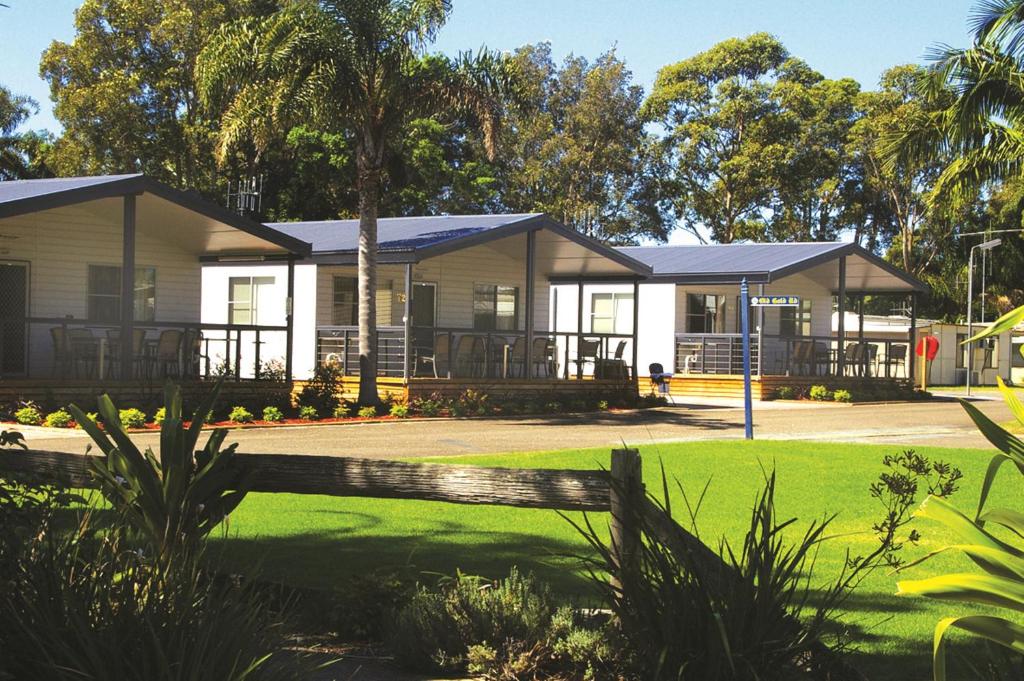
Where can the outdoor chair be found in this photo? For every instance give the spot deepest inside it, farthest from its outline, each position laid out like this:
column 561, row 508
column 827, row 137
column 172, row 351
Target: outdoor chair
column 588, row 353
column 437, row 360
column 167, row 357
column 659, row 379
column 896, row 358
column 544, row 362
column 113, row 354
column 83, row 347
column 616, row 367
column 495, row 359
column 62, row 360
column 850, row 357
column 192, row 353
column 517, row 358
column 822, row 358
column 469, row 355
column 801, row 356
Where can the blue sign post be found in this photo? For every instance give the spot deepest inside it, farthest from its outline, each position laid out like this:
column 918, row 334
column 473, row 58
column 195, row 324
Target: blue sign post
column 745, row 331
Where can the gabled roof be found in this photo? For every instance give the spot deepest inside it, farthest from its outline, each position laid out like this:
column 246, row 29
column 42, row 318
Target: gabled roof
column 411, row 239
column 763, row 263
column 18, row 197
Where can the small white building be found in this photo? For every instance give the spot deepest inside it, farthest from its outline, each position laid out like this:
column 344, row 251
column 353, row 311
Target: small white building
column 64, row 304
column 689, row 314
column 462, row 301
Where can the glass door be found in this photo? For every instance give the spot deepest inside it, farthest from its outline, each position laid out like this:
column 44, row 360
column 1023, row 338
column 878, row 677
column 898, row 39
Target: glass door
column 13, row 311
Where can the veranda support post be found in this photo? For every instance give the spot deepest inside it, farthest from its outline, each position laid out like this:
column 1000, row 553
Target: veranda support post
column 126, row 346
column 531, row 257
column 289, row 317
column 841, row 331
column 407, row 323
column 909, row 363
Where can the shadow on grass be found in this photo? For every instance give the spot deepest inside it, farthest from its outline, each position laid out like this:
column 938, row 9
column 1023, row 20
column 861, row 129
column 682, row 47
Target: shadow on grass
column 662, row 416
column 325, row 559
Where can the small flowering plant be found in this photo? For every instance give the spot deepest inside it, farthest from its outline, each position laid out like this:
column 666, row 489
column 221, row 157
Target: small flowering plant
column 175, row 498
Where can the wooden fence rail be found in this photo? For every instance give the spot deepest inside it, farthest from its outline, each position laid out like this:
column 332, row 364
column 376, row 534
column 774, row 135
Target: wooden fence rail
column 619, row 490
column 567, row 490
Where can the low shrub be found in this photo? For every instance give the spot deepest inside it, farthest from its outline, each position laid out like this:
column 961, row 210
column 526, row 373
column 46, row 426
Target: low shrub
column 500, row 631
column 553, row 407
column 342, row 411
column 399, row 410
column 820, row 393
column 841, row 395
column 58, row 419
column 473, row 402
column 649, row 400
column 272, row 414
column 29, row 415
column 132, row 418
column 240, row 415
column 435, row 631
column 367, row 412
column 602, row 405
column 785, row 392
column 322, row 391
column 160, row 415
column 308, row 412
column 429, row 406
column 92, row 417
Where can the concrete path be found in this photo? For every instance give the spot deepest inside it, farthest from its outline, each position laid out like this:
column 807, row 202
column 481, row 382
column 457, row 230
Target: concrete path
column 937, row 423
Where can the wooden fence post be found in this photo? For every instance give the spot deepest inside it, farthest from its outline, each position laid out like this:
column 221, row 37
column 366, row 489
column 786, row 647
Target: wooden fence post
column 627, row 496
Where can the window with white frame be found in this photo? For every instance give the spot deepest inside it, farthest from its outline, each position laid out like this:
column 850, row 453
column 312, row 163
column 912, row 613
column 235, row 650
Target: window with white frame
column 495, row 308
column 795, row 321
column 345, row 309
column 247, row 299
column 103, row 293
column 611, row 313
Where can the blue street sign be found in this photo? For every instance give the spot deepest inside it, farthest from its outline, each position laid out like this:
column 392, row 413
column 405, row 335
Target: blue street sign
column 745, row 331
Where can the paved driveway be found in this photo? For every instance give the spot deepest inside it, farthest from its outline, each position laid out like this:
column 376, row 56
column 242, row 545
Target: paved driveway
column 939, row 423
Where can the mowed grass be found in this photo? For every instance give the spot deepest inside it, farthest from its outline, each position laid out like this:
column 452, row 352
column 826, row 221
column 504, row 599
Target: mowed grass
column 322, row 541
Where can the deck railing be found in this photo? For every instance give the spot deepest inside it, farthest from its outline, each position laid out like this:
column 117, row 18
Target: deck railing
column 793, row 355
column 455, row 352
column 69, row 348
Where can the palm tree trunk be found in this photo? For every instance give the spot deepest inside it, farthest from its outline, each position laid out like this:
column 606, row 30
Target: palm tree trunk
column 369, row 194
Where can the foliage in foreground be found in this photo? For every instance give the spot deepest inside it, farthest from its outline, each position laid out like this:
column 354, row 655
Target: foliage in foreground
column 503, row 630
column 991, row 540
column 172, row 500
column 753, row 610
column 84, row 604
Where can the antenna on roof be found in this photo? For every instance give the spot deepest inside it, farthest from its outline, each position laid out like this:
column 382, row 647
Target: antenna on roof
column 246, row 196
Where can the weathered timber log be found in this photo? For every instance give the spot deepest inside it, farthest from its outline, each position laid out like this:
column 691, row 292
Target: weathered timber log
column 567, row 490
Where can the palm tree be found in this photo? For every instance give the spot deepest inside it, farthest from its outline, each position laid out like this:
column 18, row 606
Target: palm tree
column 357, row 67
column 982, row 128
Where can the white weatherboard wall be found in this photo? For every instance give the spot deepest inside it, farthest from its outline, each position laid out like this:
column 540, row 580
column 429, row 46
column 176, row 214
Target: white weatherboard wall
column 272, row 312
column 943, row 369
column 59, row 245
column 656, row 315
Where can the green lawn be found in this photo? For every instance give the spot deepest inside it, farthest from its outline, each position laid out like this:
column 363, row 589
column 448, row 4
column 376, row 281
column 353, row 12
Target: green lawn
column 318, row 541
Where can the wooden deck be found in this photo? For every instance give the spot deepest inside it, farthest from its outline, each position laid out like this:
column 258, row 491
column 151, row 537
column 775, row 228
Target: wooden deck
column 762, row 387
column 513, row 387
column 146, row 395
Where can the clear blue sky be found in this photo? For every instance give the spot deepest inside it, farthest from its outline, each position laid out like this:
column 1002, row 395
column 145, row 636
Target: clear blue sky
column 855, row 38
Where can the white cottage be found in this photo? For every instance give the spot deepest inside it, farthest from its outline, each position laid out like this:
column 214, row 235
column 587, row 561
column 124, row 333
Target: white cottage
column 64, row 304
column 462, row 301
column 689, row 314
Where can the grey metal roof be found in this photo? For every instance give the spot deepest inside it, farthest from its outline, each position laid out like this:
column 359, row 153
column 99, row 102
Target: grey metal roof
column 411, row 239
column 397, row 234
column 16, row 190
column 19, row 197
column 758, row 263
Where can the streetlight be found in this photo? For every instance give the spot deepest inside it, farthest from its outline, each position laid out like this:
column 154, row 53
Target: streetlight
column 984, row 246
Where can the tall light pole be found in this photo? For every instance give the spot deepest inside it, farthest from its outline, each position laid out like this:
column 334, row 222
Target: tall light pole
column 984, row 246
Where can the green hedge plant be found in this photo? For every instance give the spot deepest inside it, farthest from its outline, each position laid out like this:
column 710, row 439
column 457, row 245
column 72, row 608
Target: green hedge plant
column 29, row 415
column 819, row 393
column 58, row 419
column 240, row 415
column 399, row 410
column 342, row 411
column 308, row 413
column 272, row 415
column 131, row 418
column 367, row 412
column 842, row 396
